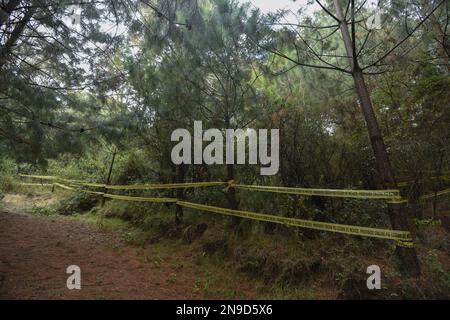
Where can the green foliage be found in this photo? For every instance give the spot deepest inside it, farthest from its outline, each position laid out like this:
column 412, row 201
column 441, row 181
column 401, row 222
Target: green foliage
column 96, row 219
column 71, row 99
column 89, row 167
column 133, row 167
column 78, row 202
column 7, row 172
column 43, row 211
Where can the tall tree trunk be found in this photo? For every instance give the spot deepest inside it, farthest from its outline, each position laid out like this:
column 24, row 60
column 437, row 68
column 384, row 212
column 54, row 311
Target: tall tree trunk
column 409, row 264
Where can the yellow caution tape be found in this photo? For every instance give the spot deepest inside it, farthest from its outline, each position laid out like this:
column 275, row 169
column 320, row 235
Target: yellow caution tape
column 128, row 198
column 407, row 244
column 92, row 192
column 149, row 186
column 393, row 194
column 165, row 186
column 118, row 197
column 71, row 181
column 132, row 186
column 38, row 177
column 432, row 195
column 408, row 182
column 87, row 184
column 36, row 184
column 403, row 236
column 76, row 188
column 361, row 194
column 63, row 186
column 398, row 200
column 424, row 197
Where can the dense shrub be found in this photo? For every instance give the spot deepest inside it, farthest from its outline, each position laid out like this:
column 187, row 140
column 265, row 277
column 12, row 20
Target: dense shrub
column 7, row 168
column 77, row 203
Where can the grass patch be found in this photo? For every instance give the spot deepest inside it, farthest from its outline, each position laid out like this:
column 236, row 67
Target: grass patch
column 101, row 223
column 42, row 211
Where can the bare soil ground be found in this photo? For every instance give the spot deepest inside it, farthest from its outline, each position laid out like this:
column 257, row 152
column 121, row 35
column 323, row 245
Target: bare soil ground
column 36, row 250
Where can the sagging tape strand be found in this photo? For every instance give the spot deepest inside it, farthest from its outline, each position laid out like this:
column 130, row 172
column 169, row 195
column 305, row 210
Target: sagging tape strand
column 393, row 194
column 129, row 198
column 403, row 236
column 365, row 194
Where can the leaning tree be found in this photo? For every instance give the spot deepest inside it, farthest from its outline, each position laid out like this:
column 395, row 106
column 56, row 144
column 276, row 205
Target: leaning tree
column 343, row 37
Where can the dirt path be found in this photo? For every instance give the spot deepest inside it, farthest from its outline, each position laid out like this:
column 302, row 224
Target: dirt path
column 35, row 252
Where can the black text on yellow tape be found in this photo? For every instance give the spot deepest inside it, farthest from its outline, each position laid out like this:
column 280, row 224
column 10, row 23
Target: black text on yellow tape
column 361, row 194
column 400, row 236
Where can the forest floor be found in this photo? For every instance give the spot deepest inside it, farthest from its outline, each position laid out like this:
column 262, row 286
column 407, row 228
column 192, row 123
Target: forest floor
column 121, row 261
column 36, row 250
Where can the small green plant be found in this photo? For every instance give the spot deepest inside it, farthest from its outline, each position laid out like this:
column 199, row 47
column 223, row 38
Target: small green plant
column 172, row 278
column 202, row 284
column 136, row 238
column 42, row 211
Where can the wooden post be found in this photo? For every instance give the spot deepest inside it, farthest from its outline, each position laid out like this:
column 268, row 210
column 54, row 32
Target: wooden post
column 108, row 179
column 180, row 171
column 231, row 196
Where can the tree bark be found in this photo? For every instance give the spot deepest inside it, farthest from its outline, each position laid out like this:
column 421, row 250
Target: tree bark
column 409, row 264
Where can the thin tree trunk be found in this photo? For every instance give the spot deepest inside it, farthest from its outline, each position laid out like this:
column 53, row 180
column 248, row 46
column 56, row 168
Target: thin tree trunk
column 409, row 264
column 231, row 192
column 438, row 185
column 108, row 178
column 231, row 195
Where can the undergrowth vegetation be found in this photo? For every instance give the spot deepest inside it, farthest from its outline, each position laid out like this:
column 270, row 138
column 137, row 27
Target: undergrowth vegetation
column 95, row 104
column 285, row 262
